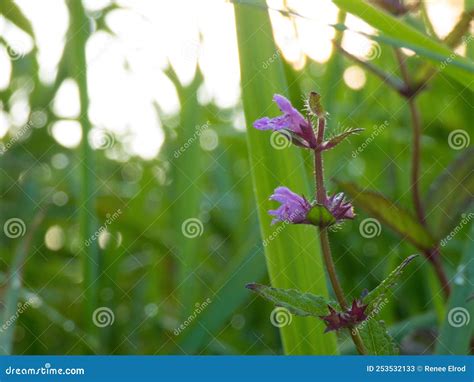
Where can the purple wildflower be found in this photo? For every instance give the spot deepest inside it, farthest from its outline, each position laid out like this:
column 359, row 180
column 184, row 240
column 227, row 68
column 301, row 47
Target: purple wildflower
column 296, row 127
column 293, row 209
column 338, row 207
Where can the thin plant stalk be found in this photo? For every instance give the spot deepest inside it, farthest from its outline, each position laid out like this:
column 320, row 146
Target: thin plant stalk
column 323, row 235
column 433, row 254
column 80, row 31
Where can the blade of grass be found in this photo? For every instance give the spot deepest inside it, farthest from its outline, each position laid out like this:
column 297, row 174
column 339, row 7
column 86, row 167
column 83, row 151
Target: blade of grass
column 457, row 329
column 187, row 172
column 293, row 256
column 79, row 31
column 14, row 285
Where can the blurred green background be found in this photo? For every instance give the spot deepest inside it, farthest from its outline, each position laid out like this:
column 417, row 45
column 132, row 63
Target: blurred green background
column 124, row 165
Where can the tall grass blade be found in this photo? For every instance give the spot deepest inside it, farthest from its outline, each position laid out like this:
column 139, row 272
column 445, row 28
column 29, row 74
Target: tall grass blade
column 293, row 257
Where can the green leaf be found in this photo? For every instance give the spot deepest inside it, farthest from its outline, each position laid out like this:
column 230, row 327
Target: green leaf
column 376, row 339
column 457, row 329
column 391, row 215
column 297, row 302
column 319, row 215
column 295, row 248
column 332, row 142
column 395, row 30
column 451, row 194
column 374, row 298
column 13, row 13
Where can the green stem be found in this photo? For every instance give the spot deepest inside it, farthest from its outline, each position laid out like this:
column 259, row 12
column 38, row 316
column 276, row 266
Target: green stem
column 79, row 31
column 324, row 239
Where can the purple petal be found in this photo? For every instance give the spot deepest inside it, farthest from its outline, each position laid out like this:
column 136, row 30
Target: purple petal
column 293, row 209
column 283, row 103
column 263, row 124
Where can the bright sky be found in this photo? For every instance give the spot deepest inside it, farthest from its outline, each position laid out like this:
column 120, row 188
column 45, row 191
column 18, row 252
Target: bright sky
column 126, row 70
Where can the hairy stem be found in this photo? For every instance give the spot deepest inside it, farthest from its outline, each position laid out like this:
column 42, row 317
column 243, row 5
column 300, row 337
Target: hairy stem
column 416, row 151
column 323, row 236
column 433, row 254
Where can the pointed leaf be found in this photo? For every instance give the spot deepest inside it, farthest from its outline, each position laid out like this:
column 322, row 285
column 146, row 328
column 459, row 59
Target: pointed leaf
column 332, row 142
column 376, row 339
column 391, row 215
column 374, row 298
column 451, row 194
column 13, row 13
column 297, row 302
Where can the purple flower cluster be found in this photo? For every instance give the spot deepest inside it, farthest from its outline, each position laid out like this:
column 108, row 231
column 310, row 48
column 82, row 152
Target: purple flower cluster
column 293, row 207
